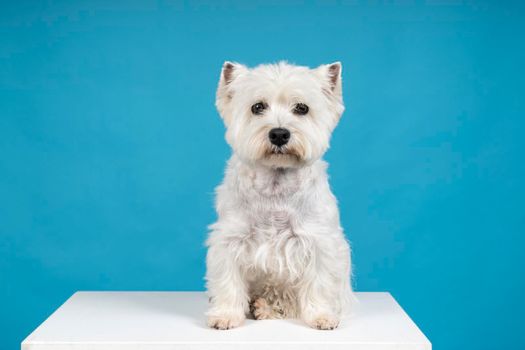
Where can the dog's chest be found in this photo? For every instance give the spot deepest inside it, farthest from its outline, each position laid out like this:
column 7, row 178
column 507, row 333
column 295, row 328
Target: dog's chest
column 273, row 202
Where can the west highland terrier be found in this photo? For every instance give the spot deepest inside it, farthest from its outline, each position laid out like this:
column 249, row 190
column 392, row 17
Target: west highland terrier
column 277, row 249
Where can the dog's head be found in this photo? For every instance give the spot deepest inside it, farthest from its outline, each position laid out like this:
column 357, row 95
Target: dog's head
column 280, row 115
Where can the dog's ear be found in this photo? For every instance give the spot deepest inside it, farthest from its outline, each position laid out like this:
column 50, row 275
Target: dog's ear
column 230, row 71
column 331, row 75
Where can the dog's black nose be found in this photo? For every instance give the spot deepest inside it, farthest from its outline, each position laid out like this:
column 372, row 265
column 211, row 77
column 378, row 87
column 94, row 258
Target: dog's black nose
column 279, row 136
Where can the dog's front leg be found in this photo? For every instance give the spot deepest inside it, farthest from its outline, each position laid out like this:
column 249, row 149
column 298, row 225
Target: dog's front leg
column 324, row 285
column 226, row 287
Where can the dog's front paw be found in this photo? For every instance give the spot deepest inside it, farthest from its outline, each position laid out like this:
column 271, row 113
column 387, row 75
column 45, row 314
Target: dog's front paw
column 260, row 309
column 224, row 322
column 324, row 322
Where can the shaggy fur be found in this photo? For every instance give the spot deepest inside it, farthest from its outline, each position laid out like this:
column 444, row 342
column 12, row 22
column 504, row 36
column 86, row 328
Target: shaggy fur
column 277, row 249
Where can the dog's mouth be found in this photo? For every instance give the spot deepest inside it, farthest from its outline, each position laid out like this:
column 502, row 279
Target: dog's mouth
column 281, row 157
column 282, row 152
column 279, row 151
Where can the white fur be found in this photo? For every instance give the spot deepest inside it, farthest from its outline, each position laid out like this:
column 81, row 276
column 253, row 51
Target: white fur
column 277, row 245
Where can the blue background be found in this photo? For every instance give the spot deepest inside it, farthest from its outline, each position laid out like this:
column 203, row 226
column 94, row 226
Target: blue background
column 110, row 148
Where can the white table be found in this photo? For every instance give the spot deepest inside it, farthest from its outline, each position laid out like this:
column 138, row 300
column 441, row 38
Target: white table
column 175, row 321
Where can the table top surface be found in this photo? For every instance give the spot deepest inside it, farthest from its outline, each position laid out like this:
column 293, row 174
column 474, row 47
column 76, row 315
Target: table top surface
column 171, row 318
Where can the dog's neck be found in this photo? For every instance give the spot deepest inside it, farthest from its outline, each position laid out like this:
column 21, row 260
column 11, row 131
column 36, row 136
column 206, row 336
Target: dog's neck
column 269, row 181
column 278, row 172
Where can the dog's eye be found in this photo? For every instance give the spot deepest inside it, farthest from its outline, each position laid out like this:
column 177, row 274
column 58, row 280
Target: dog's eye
column 258, row 108
column 301, row 109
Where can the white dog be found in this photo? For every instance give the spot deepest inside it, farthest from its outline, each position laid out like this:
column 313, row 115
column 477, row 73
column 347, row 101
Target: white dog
column 277, row 248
